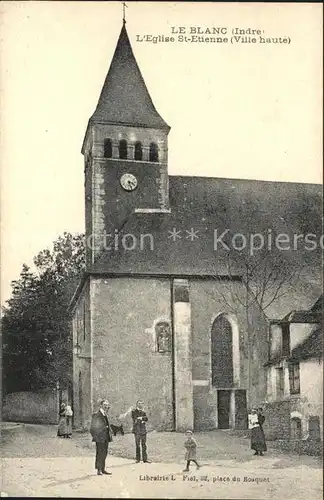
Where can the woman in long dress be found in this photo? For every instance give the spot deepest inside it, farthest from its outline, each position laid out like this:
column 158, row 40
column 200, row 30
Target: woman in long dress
column 69, row 414
column 258, row 443
column 261, row 419
column 62, row 430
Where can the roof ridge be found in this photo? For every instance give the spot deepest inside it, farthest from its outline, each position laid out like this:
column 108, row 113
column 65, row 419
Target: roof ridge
column 239, row 179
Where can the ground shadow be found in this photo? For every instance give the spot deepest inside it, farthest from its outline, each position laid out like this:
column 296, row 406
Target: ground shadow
column 70, row 481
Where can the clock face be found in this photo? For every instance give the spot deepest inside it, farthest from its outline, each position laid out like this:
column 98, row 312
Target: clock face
column 128, row 182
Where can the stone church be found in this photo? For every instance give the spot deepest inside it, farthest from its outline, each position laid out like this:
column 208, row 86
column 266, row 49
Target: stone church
column 160, row 314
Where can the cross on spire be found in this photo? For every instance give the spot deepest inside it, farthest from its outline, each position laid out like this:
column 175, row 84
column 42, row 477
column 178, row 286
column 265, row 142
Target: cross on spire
column 124, row 12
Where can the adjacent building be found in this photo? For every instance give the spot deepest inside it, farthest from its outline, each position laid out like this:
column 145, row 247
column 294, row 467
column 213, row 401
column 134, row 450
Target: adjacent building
column 294, row 402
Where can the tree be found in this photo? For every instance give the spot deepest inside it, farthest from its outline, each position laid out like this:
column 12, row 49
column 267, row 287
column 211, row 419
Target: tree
column 266, row 277
column 37, row 349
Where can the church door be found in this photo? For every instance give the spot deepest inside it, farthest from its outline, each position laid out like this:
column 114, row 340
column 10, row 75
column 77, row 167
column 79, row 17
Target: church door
column 223, row 409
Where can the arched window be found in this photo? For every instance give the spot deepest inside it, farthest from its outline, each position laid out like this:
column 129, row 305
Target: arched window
column 154, row 152
column 123, row 149
column 222, row 353
column 138, row 151
column 163, row 336
column 108, row 148
column 295, row 428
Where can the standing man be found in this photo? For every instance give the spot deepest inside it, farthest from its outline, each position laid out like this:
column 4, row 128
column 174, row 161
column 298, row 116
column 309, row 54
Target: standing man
column 101, row 435
column 139, row 429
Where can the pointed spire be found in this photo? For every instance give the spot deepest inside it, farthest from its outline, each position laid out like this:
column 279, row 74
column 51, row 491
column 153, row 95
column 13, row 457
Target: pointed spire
column 124, row 98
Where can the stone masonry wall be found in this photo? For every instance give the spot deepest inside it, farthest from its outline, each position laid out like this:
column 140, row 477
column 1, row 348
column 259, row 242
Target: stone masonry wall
column 126, row 364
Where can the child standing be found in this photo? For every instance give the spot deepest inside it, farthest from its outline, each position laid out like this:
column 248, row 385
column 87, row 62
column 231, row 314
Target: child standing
column 191, row 450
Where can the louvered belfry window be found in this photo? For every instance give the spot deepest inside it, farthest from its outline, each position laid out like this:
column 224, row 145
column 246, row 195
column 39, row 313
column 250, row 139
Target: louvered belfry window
column 108, row 148
column 123, row 149
column 138, row 151
column 154, row 152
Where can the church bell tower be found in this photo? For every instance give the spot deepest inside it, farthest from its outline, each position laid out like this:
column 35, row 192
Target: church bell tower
column 125, row 152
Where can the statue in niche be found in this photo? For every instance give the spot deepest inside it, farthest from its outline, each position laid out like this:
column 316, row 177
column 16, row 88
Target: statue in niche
column 163, row 336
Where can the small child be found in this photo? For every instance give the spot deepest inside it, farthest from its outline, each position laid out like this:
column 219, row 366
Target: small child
column 191, row 450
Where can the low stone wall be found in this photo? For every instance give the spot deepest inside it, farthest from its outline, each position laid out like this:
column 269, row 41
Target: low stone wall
column 300, row 447
column 277, row 428
column 31, row 407
column 277, row 420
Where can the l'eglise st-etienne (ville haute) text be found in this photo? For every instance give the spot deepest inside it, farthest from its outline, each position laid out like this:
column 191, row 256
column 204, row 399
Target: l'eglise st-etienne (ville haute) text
column 212, row 34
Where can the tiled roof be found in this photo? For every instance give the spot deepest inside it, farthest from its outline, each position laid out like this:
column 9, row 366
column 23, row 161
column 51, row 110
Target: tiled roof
column 302, row 317
column 312, row 347
column 124, row 97
column 313, row 315
column 209, row 204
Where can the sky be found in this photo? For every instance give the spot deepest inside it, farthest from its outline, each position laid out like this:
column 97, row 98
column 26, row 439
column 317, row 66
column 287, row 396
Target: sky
column 241, row 110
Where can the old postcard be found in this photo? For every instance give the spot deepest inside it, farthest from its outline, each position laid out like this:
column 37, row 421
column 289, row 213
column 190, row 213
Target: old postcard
column 161, row 281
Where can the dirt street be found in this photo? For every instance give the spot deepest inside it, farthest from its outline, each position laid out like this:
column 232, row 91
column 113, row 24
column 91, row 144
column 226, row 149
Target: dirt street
column 37, row 463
